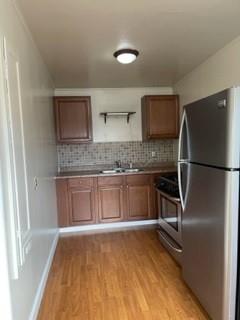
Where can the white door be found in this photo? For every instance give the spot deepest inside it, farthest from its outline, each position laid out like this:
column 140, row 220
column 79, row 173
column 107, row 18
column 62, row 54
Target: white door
column 19, row 219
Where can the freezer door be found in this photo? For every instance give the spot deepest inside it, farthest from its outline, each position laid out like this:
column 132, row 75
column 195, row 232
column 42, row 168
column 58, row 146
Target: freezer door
column 213, row 129
column 209, row 231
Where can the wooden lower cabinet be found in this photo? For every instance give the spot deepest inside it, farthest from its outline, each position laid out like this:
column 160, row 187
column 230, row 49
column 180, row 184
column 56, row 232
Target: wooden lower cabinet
column 111, row 199
column 82, row 206
column 155, row 197
column 62, row 202
column 85, row 200
column 110, row 203
column 76, row 200
column 139, row 197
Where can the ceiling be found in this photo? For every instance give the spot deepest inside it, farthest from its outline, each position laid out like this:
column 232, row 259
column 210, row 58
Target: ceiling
column 77, row 38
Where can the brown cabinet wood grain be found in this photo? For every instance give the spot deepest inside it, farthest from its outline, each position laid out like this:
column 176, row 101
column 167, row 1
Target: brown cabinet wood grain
column 82, row 200
column 73, row 119
column 139, row 197
column 111, row 199
column 88, row 200
column 62, row 202
column 111, row 181
column 160, row 117
column 110, row 203
column 154, row 215
column 82, row 205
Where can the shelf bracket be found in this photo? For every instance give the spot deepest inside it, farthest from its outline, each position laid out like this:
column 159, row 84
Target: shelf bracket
column 105, row 118
column 117, row 114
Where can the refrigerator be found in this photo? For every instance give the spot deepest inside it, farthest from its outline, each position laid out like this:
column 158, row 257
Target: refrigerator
column 208, row 172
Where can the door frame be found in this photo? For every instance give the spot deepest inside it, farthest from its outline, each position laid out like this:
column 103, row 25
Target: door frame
column 5, row 289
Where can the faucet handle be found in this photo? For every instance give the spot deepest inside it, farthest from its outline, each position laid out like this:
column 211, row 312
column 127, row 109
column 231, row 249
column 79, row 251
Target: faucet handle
column 118, row 163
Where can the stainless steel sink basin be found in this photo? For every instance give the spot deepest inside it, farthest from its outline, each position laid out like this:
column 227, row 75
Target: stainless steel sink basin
column 109, row 171
column 120, row 170
column 132, row 170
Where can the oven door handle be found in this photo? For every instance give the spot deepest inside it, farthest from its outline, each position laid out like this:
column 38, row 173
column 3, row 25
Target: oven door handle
column 168, row 242
column 168, row 196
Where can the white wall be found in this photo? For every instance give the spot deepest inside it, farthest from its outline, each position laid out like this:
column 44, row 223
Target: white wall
column 220, row 71
column 120, row 99
column 37, row 91
column 5, row 293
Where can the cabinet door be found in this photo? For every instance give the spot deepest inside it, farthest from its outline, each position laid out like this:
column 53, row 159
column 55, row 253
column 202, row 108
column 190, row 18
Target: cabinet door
column 62, row 202
column 82, row 205
column 73, row 119
column 160, row 117
column 110, row 203
column 139, row 202
column 154, row 213
column 139, row 197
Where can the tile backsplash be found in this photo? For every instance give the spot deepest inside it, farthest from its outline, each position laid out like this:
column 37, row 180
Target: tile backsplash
column 109, row 152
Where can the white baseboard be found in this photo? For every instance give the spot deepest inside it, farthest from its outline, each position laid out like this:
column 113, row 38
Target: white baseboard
column 42, row 284
column 105, row 226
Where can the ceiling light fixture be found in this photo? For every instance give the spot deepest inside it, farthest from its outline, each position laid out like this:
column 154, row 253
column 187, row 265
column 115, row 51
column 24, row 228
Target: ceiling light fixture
column 126, row 56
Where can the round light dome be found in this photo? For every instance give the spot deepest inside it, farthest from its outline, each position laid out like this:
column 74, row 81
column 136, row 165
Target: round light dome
column 126, row 56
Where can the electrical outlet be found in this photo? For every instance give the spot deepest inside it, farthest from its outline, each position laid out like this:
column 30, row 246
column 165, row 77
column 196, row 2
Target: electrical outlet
column 28, row 247
column 153, row 154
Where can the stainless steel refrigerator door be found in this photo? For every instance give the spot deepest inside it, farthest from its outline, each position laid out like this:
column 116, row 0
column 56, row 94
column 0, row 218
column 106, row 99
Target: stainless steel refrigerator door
column 209, row 231
column 212, row 130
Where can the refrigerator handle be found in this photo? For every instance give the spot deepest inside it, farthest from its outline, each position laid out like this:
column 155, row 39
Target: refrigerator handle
column 183, row 196
column 180, row 183
column 181, row 137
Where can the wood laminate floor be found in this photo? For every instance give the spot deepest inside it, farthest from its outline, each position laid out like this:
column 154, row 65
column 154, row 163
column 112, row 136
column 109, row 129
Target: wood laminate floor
column 125, row 275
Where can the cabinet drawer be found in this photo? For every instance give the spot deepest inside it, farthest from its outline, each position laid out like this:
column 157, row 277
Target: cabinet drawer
column 106, row 181
column 139, row 179
column 78, row 182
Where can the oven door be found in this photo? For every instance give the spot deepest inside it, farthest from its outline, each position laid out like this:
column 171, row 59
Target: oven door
column 170, row 216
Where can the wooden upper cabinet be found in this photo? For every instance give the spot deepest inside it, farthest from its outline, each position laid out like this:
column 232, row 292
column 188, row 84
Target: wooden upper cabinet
column 73, row 119
column 160, row 117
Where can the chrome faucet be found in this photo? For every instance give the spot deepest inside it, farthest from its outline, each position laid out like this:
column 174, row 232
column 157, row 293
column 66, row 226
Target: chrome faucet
column 118, row 164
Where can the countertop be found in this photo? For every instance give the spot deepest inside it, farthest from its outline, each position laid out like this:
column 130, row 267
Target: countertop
column 96, row 172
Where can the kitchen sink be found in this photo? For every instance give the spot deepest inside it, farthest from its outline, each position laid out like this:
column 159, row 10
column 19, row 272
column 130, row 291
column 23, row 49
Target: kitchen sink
column 110, row 171
column 120, row 170
column 132, row 170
